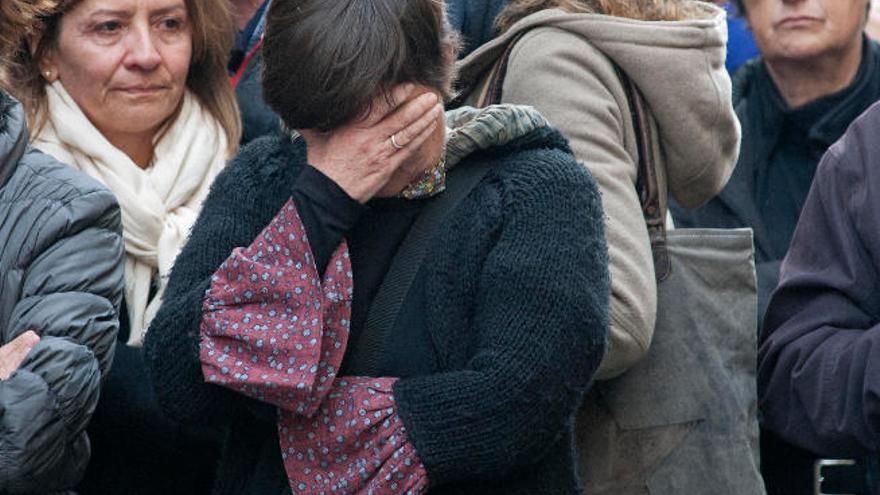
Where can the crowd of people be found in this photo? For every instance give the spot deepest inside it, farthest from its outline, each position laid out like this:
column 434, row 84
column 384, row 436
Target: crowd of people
column 416, row 246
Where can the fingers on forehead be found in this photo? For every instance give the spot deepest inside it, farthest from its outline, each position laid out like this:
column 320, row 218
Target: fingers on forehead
column 411, row 112
column 378, row 109
column 387, row 101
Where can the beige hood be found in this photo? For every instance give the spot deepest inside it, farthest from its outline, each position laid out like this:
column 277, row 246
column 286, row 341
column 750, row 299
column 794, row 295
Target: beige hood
column 679, row 68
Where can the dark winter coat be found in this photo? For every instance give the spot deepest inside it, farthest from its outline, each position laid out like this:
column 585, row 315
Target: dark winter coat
column 246, row 68
column 516, row 307
column 257, row 118
column 61, row 276
column 780, row 150
column 819, row 357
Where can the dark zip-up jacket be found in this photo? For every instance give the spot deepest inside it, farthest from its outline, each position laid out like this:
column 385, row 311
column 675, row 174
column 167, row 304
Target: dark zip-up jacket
column 819, row 356
column 61, row 276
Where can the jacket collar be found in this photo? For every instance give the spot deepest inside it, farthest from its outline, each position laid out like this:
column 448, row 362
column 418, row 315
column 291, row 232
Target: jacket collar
column 13, row 136
column 853, row 101
column 830, row 115
column 762, row 113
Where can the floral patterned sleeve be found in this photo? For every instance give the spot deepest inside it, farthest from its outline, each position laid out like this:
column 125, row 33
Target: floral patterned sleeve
column 273, row 330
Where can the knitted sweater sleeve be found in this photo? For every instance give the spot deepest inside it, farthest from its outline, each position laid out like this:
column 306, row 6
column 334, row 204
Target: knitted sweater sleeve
column 597, row 127
column 540, row 323
column 243, row 199
column 171, row 343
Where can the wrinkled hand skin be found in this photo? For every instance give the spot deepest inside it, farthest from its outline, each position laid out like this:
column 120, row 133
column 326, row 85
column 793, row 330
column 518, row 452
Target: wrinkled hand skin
column 359, row 157
column 15, row 352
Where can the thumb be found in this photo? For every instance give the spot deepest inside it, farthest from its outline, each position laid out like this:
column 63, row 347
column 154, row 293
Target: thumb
column 23, row 344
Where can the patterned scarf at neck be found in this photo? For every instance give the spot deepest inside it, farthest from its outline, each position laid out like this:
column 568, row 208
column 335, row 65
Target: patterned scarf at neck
column 431, row 183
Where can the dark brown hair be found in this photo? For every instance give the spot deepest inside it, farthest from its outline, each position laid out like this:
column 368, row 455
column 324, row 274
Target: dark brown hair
column 212, row 38
column 643, row 10
column 17, row 22
column 326, row 60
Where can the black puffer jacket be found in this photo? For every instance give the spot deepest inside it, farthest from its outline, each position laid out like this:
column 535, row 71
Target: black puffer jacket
column 61, row 276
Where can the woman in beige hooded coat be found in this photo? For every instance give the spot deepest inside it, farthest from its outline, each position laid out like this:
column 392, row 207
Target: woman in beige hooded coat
column 564, row 63
column 564, row 58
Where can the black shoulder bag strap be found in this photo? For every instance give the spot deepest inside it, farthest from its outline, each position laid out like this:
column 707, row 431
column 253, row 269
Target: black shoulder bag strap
column 383, row 312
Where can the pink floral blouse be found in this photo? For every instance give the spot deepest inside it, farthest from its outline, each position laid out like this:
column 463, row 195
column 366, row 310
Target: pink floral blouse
column 274, row 331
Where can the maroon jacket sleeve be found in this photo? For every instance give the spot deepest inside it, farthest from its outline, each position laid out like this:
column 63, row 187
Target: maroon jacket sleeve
column 819, row 356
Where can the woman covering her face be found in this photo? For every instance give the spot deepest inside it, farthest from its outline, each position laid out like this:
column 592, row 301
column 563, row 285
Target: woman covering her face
column 566, row 59
column 265, row 326
column 135, row 93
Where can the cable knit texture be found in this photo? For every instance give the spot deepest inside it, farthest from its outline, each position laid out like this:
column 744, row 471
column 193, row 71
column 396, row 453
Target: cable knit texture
column 517, row 314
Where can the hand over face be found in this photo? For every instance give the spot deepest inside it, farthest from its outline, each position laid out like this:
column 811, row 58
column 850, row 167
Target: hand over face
column 13, row 353
column 361, row 157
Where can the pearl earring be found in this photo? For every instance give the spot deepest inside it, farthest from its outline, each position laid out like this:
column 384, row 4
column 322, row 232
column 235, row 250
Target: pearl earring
column 48, row 74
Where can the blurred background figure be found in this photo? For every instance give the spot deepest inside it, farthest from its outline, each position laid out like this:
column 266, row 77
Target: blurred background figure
column 60, row 290
column 135, row 93
column 817, row 72
column 474, row 20
column 740, row 44
column 245, row 68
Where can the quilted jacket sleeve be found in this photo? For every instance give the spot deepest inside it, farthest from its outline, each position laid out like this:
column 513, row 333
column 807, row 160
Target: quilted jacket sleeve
column 71, row 292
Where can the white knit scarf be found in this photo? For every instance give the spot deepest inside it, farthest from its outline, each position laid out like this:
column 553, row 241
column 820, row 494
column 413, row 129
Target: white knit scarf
column 159, row 204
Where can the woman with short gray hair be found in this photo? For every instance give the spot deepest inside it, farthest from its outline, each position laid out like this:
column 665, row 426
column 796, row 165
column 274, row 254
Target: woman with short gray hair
column 817, row 72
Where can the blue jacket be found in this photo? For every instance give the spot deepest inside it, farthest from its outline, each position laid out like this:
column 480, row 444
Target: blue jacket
column 475, row 20
column 741, row 45
column 819, row 357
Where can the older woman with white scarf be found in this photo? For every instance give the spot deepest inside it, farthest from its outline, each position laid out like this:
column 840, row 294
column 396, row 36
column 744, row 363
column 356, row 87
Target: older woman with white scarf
column 135, row 93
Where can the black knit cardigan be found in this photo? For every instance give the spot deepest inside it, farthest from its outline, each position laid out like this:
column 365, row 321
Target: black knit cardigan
column 517, row 310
